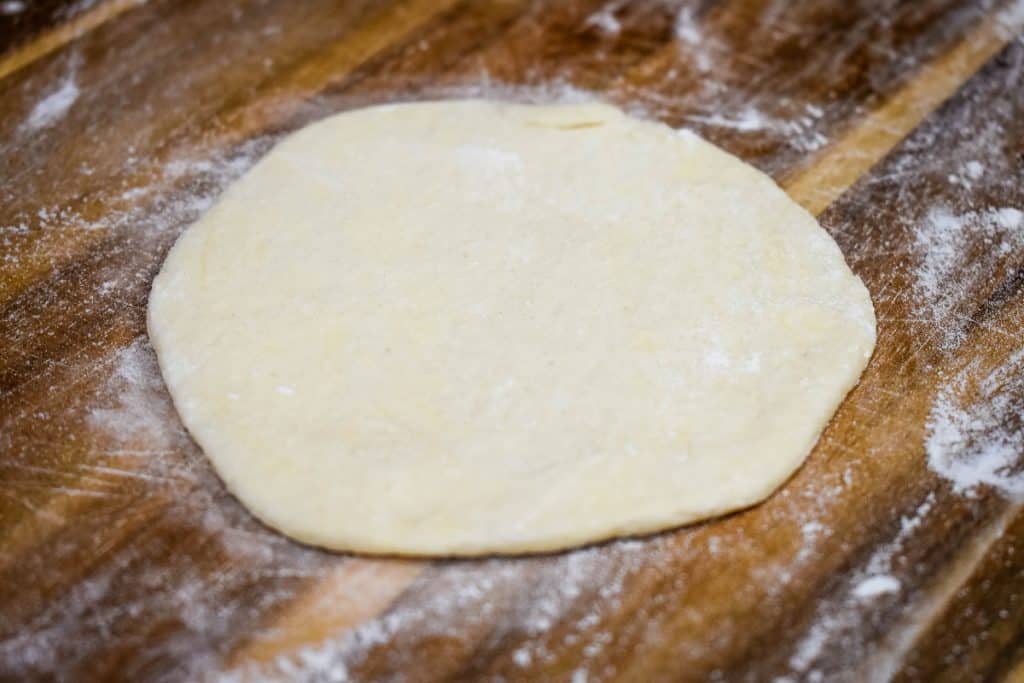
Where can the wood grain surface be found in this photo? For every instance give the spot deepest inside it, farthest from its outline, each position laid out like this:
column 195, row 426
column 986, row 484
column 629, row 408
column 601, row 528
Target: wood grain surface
column 895, row 553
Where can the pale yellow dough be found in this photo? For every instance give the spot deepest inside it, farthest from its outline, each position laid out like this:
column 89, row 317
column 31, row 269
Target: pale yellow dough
column 469, row 327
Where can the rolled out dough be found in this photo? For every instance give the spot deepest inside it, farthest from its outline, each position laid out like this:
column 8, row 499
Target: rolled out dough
column 469, row 327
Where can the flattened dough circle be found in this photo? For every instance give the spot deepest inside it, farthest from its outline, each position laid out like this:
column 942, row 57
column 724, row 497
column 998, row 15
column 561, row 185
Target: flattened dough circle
column 469, row 327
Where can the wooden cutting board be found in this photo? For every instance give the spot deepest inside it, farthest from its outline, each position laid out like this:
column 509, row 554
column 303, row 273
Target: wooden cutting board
column 896, row 552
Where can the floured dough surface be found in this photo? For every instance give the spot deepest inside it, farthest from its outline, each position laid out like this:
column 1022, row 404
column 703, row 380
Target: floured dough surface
column 468, row 327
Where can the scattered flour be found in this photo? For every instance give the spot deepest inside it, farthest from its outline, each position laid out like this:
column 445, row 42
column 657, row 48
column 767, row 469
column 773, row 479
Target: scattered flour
column 967, row 238
column 797, row 127
column 969, row 173
column 152, row 207
column 974, row 169
column 946, row 274
column 808, row 649
column 799, row 131
column 810, row 530
column 976, row 429
column 135, row 451
column 839, row 618
column 133, row 411
column 533, row 593
column 686, row 29
column 53, row 106
column 745, row 121
column 693, row 42
column 522, row 657
column 605, row 21
column 909, row 523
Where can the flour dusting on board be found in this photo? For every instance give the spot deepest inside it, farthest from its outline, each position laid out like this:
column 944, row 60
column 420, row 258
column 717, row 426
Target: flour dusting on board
column 693, row 42
column 976, row 429
column 139, row 452
column 840, row 615
column 53, row 106
column 799, row 130
column 974, row 435
column 947, row 272
column 134, row 413
column 532, row 594
column 132, row 458
column 954, row 187
column 547, row 604
column 874, row 586
column 605, row 21
column 169, row 195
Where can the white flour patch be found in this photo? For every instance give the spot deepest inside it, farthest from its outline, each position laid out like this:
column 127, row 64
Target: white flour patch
column 947, row 273
column 976, row 429
column 686, row 29
column 136, row 413
column 745, row 121
column 811, row 533
column 53, row 107
column 974, row 169
column 808, row 649
column 909, row 523
column 874, row 586
column 9, row 7
column 798, row 131
column 693, row 42
column 968, row 174
column 605, row 21
column 522, row 657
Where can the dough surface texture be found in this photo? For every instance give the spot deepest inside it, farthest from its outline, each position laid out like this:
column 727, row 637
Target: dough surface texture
column 467, row 327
